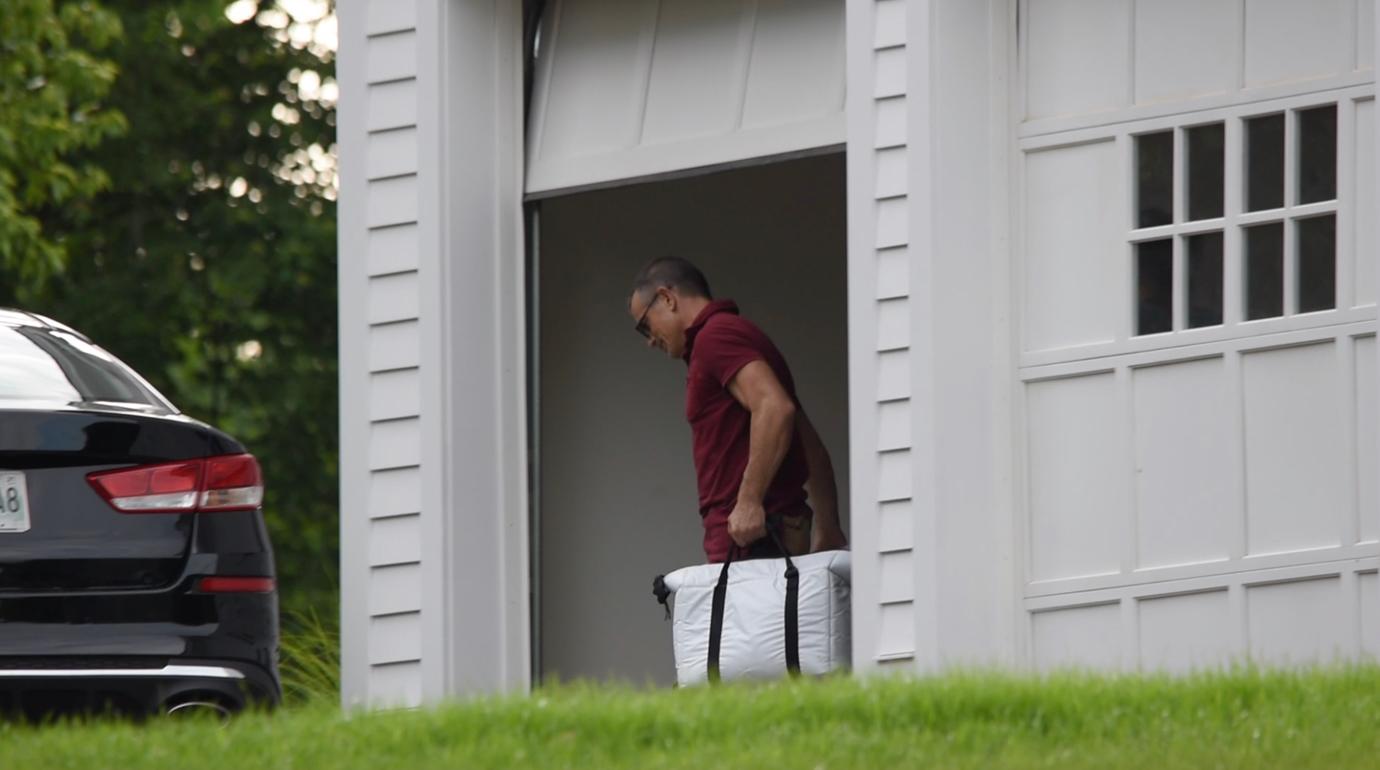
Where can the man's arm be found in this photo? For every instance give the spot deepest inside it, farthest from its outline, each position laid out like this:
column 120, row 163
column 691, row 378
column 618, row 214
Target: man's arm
column 825, row 532
column 773, row 419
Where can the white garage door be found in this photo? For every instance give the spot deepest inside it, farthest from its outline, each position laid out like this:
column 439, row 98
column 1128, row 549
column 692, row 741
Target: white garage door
column 1197, row 324
column 638, row 88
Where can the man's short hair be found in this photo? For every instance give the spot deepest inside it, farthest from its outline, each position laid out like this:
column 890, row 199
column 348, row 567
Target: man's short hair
column 673, row 272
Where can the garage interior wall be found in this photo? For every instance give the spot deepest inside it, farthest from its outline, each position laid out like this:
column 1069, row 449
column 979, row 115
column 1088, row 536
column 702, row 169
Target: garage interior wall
column 617, row 485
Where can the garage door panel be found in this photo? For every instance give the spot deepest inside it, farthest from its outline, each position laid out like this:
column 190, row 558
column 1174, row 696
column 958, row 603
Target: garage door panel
column 1071, row 245
column 1077, row 637
column 1368, row 586
column 1187, row 632
column 1291, row 40
column 1197, row 414
column 1295, row 486
column 1184, row 48
column 1077, row 59
column 1367, row 456
column 601, row 51
column 1365, row 33
column 1078, row 479
column 701, row 45
column 1300, row 622
column 1184, row 463
column 796, row 73
column 628, row 89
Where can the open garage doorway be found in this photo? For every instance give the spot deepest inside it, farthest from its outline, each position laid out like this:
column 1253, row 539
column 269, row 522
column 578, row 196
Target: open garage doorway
column 616, row 502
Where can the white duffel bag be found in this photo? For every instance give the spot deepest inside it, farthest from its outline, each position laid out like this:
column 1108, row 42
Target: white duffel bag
column 760, row 619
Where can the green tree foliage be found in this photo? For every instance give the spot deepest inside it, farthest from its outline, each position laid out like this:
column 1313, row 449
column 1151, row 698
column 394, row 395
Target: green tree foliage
column 53, row 83
column 208, row 263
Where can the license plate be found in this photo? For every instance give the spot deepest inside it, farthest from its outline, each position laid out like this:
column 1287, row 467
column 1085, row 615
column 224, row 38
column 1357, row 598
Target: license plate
column 14, row 503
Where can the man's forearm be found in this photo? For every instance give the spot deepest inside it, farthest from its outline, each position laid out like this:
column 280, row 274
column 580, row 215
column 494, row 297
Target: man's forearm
column 770, row 436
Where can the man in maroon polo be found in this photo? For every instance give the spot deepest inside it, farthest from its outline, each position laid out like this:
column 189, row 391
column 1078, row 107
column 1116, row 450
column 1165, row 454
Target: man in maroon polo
column 756, row 453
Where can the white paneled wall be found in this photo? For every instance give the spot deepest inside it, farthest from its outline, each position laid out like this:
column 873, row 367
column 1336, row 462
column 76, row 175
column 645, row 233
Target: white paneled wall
column 381, row 402
column 1295, row 457
column 1218, row 492
column 1075, row 59
column 1367, row 389
column 1191, row 61
column 1077, row 637
column 1200, row 496
column 1289, row 40
column 1078, row 456
column 1069, row 230
column 1163, row 643
column 1183, row 499
column 1084, row 57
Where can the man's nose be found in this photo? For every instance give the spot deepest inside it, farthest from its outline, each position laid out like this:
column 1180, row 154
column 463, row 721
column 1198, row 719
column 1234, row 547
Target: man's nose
column 651, row 341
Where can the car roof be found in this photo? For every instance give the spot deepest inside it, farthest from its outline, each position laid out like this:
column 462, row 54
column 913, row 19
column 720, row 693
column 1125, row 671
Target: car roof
column 12, row 317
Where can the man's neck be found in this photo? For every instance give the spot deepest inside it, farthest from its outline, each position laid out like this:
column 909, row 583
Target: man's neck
column 692, row 307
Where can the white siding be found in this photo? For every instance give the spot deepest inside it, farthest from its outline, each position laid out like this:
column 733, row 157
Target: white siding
column 390, row 160
column 393, row 249
column 879, row 320
column 391, row 16
column 381, row 371
column 929, row 356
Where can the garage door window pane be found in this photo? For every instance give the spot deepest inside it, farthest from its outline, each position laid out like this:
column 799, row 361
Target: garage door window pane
column 1265, row 163
column 1317, row 277
column 1318, row 154
column 1280, row 221
column 1155, row 287
column 1265, row 271
column 1206, row 155
column 1155, row 179
column 1204, row 280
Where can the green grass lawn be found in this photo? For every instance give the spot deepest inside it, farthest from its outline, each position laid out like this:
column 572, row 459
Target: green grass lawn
column 1323, row 719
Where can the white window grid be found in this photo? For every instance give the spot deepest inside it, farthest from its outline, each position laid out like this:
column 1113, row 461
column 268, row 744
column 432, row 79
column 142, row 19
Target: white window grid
column 1234, row 324
column 1235, row 218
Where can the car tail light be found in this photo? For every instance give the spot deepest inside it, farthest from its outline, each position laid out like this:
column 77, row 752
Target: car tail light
column 219, row 584
column 228, row 483
column 232, row 483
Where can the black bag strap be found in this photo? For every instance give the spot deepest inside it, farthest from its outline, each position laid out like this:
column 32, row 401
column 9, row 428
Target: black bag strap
column 792, row 621
column 792, row 607
column 716, row 617
column 792, row 631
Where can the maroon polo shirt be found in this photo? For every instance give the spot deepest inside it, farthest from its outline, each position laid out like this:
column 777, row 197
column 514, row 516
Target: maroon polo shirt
column 717, row 345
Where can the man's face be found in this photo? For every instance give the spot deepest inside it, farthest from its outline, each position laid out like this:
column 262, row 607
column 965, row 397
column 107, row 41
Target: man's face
column 657, row 320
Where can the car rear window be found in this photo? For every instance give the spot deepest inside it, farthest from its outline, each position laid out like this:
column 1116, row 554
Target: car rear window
column 51, row 364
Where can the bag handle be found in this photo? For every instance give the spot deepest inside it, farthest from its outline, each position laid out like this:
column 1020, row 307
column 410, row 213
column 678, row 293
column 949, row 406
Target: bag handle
column 792, row 609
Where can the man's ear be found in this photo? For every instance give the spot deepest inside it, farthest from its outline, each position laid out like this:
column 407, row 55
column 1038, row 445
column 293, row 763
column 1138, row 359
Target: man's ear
column 672, row 299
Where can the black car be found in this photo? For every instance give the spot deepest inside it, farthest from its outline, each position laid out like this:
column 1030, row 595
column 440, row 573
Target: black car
column 136, row 574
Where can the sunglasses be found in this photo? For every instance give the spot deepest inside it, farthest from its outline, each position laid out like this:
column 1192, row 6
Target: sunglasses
column 642, row 327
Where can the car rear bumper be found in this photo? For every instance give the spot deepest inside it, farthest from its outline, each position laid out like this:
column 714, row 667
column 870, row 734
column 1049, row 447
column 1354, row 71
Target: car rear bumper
column 136, row 655
column 41, row 687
